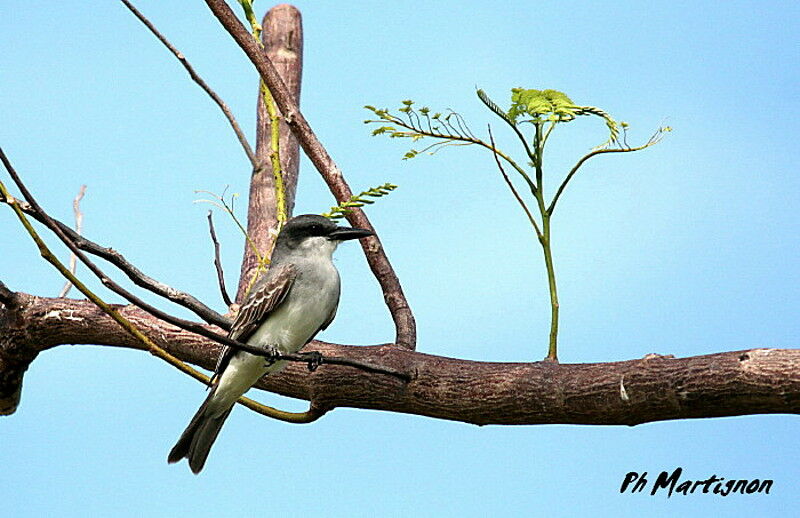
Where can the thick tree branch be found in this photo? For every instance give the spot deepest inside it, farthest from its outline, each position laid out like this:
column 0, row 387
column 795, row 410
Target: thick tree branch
column 7, row 297
column 283, row 43
column 373, row 249
column 758, row 381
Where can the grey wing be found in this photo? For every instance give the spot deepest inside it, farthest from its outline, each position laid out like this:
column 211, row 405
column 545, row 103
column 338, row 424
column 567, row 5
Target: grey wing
column 266, row 295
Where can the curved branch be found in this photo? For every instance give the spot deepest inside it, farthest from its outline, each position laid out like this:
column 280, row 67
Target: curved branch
column 656, row 388
column 199, row 80
column 514, row 189
column 373, row 249
column 653, row 140
column 500, row 113
column 133, row 273
column 218, row 262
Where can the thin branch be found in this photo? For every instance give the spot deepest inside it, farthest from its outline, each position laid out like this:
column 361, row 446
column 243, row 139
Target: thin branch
column 653, row 140
column 197, row 79
column 513, row 189
column 223, row 205
column 393, row 295
column 133, row 273
column 133, row 299
column 217, row 262
column 455, row 136
column 107, row 308
column 73, row 260
column 313, row 413
column 500, row 113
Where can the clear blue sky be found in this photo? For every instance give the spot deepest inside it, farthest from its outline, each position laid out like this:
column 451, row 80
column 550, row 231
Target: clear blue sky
column 688, row 248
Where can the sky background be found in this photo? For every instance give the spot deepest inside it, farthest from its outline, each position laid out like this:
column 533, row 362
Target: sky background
column 687, row 248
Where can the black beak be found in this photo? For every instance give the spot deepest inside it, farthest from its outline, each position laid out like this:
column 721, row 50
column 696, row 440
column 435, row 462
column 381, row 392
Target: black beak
column 345, row 233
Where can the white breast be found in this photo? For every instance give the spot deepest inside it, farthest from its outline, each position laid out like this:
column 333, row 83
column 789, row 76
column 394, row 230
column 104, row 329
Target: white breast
column 308, row 305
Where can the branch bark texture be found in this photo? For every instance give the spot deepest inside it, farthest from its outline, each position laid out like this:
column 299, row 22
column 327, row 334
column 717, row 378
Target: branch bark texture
column 656, row 388
column 283, row 44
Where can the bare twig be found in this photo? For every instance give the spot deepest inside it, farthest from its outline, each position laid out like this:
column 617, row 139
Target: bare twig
column 133, row 273
column 217, row 262
column 73, row 260
column 197, row 79
column 194, row 327
column 405, row 325
column 511, row 186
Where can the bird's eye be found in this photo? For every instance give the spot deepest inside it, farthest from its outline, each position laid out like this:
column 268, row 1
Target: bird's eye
column 316, row 229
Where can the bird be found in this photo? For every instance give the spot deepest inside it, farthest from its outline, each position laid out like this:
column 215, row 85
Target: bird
column 284, row 310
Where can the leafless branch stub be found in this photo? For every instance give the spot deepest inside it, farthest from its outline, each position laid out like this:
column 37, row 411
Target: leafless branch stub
column 73, row 260
column 218, row 262
column 283, row 42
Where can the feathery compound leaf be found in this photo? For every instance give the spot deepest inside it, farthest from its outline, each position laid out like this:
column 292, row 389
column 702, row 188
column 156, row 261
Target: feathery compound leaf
column 494, row 107
column 540, row 104
column 554, row 106
column 359, row 200
column 382, row 130
column 416, row 124
column 611, row 124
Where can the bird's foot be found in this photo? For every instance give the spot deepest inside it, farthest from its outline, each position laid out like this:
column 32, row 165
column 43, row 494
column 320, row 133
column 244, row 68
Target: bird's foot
column 314, row 360
column 271, row 354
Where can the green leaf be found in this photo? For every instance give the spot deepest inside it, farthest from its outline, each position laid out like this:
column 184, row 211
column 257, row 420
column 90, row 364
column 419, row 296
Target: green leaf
column 382, row 130
column 359, row 200
column 539, row 104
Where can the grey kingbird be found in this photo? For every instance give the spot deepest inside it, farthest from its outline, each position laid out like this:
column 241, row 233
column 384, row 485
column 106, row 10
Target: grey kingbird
column 284, row 310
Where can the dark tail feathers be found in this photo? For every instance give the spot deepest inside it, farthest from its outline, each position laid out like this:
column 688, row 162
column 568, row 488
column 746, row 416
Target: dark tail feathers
column 199, row 436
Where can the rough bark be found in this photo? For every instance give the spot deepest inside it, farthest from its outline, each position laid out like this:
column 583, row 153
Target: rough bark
column 656, row 388
column 283, row 42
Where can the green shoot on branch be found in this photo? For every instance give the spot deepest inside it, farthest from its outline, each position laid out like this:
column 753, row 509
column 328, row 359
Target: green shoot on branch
column 541, row 109
column 359, row 200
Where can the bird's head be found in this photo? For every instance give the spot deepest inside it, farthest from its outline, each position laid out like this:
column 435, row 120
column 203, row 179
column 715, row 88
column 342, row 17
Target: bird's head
column 310, row 232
